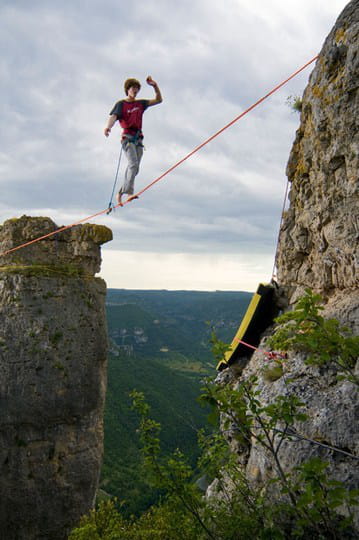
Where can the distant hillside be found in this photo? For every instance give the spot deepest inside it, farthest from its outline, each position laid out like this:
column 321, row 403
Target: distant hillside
column 164, row 324
column 159, row 344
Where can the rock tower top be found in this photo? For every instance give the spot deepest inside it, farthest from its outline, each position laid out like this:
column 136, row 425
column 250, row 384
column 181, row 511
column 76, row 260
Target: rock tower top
column 77, row 249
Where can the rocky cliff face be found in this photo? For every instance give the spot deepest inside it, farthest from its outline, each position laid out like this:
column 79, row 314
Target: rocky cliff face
column 319, row 237
column 53, row 349
column 318, row 249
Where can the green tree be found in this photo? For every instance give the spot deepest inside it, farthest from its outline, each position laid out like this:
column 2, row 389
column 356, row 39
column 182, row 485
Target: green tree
column 324, row 341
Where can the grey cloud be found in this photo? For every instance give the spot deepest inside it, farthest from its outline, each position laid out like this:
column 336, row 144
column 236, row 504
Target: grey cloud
column 64, row 69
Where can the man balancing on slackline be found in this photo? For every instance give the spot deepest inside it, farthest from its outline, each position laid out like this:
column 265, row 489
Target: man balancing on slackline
column 129, row 112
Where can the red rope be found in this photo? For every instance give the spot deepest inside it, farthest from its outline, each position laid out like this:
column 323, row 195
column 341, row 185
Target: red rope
column 228, row 125
column 168, row 170
column 270, row 354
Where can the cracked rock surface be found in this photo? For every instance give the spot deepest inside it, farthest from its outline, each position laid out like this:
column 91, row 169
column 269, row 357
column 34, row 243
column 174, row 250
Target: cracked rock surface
column 318, row 249
column 53, row 349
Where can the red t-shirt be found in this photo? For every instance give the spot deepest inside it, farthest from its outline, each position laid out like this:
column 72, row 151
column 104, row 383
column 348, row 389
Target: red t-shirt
column 129, row 114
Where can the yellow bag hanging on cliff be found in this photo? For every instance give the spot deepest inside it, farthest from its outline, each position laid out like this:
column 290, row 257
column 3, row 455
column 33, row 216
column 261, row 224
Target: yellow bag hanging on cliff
column 259, row 315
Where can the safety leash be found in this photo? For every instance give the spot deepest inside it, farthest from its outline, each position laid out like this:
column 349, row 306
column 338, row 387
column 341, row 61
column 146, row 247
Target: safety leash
column 110, row 204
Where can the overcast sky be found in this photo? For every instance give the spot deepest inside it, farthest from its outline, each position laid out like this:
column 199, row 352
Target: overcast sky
column 213, row 222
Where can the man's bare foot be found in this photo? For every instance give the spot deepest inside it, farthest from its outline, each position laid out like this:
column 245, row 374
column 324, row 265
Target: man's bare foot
column 131, row 197
column 119, row 198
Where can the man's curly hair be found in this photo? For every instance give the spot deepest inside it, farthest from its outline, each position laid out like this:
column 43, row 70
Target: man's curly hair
column 129, row 83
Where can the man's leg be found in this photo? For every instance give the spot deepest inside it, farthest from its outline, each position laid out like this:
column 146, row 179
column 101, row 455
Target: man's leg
column 134, row 155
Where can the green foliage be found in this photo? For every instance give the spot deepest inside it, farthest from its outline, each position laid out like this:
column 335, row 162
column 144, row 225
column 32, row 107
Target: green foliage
column 318, row 500
column 34, row 270
column 166, row 521
column 295, row 103
column 172, row 396
column 172, row 474
column 323, row 341
column 104, row 523
column 267, row 424
column 303, row 504
column 149, row 430
column 307, row 501
column 219, row 348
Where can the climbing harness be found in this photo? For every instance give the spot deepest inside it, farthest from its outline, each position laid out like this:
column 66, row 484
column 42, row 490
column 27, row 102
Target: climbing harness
column 110, row 204
column 136, row 139
column 190, row 154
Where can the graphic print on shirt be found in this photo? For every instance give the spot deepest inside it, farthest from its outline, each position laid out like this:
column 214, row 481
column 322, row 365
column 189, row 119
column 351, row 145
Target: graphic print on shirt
column 130, row 114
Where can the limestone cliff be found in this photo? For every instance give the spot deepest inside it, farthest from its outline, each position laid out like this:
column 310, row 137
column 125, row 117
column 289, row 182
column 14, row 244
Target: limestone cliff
column 319, row 237
column 318, row 249
column 53, row 348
